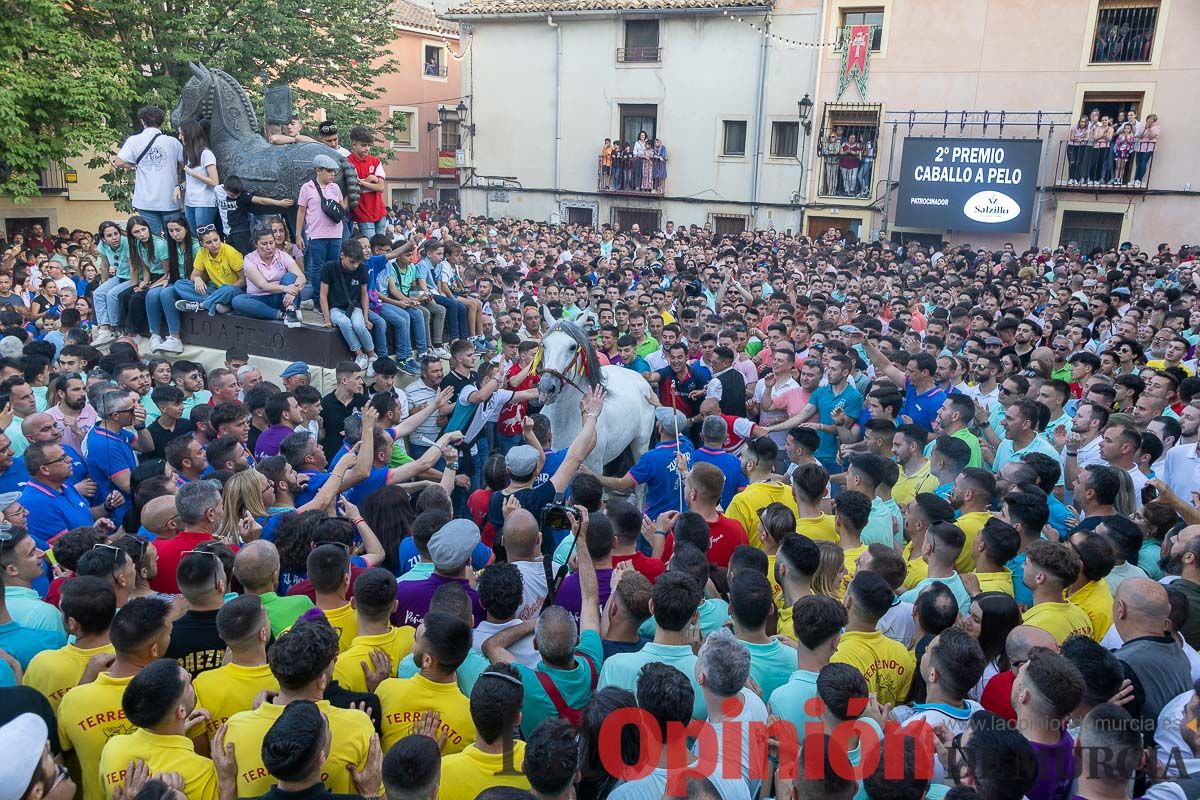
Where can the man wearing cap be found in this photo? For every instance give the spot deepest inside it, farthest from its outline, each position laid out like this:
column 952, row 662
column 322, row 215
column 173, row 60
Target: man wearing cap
column 450, row 551
column 293, row 375
column 659, row 469
column 322, row 235
column 28, row 770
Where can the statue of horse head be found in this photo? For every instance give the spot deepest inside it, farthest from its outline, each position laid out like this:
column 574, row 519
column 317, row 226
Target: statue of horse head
column 567, row 359
column 196, row 99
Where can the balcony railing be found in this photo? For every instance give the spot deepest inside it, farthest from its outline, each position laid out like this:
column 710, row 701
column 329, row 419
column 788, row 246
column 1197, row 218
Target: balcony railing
column 1124, row 35
column 853, row 179
column 52, row 180
column 1102, row 169
column 434, row 71
column 630, row 176
column 639, row 55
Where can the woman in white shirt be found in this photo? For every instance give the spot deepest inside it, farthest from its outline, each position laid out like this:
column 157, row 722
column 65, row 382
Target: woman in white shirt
column 200, row 177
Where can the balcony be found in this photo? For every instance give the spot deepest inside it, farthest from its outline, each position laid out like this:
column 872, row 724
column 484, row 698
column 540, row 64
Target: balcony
column 1125, row 35
column 435, row 71
column 639, row 55
column 627, row 177
column 1082, row 167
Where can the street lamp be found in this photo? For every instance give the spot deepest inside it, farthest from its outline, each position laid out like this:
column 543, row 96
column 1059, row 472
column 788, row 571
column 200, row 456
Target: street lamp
column 461, row 108
column 806, row 104
column 432, row 126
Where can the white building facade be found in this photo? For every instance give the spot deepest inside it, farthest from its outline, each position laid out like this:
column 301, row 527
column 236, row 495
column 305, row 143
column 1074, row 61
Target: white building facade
column 547, row 81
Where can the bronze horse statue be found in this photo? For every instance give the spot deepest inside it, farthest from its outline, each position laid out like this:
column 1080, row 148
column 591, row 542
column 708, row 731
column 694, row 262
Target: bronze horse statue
column 275, row 171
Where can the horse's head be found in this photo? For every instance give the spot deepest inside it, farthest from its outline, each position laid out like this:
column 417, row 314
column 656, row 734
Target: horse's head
column 568, row 360
column 196, row 99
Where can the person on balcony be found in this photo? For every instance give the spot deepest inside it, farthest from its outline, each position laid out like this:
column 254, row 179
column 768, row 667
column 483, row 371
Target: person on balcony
column 1122, row 150
column 849, row 163
column 831, row 151
column 1077, row 145
column 606, row 154
column 660, row 165
column 640, row 177
column 1147, row 142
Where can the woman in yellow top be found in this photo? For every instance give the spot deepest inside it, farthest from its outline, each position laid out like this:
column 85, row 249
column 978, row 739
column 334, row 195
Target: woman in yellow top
column 216, row 276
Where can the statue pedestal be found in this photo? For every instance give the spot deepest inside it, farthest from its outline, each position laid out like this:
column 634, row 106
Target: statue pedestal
column 319, row 347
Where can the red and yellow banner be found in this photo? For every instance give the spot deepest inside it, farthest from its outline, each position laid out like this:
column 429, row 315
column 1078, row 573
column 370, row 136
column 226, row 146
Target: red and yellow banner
column 447, row 163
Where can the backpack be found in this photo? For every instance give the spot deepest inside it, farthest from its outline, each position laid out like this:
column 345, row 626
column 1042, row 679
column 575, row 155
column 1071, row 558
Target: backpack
column 571, row 715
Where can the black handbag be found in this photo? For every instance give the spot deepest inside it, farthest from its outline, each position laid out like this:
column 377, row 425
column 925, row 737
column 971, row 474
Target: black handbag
column 331, row 208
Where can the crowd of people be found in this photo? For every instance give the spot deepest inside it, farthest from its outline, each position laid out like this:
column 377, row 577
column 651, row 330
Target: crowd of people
column 946, row 492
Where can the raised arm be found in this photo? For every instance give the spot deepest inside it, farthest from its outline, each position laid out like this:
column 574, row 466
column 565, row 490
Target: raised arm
column 417, row 418
column 883, row 366
column 591, row 404
column 589, row 587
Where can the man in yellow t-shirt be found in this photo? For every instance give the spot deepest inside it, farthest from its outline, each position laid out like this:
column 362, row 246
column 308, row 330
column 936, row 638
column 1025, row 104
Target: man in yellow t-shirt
column 216, row 277
column 795, row 564
column 996, row 545
column 1050, row 567
column 160, row 701
column 852, row 511
column 885, row 663
column 374, row 602
column 329, row 570
column 302, row 661
column 1090, row 591
column 295, row 750
column 495, row 758
column 440, row 647
column 922, row 514
column 908, row 448
column 88, row 604
column 91, row 713
column 245, row 628
column 972, row 494
column 758, row 463
column 810, row 485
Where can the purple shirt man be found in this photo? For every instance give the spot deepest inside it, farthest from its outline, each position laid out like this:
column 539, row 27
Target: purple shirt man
column 570, row 596
column 450, row 551
column 270, row 439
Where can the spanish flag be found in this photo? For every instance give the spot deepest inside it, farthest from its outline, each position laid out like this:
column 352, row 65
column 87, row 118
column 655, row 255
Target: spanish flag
column 447, row 163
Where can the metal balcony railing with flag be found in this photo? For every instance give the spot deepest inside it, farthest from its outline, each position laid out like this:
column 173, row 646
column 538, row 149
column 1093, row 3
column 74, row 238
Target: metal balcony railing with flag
column 1083, row 167
column 627, row 175
column 639, row 55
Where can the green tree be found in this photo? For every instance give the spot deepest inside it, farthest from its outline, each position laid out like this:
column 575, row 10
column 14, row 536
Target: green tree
column 340, row 45
column 53, row 78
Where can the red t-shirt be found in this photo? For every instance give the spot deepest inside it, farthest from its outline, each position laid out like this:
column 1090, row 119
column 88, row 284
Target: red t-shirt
column 54, row 593
column 647, row 565
column 170, row 552
column 477, row 504
column 726, row 535
column 370, row 204
column 513, row 414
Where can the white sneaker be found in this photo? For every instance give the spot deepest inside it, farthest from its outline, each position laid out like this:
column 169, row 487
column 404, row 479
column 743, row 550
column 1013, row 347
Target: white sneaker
column 308, row 305
column 441, row 352
column 223, row 308
column 156, row 343
column 103, row 337
column 362, row 362
column 171, row 344
column 291, row 318
column 370, row 367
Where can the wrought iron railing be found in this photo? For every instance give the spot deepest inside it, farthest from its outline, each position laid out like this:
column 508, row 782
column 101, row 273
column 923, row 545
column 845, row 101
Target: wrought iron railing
column 631, row 176
column 1087, row 167
column 639, row 55
column 1124, row 35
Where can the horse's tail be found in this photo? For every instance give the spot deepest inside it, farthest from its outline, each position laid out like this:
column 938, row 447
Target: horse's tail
column 350, row 185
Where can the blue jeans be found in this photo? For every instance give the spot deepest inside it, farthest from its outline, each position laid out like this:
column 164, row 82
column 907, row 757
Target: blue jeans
column 1142, row 164
column 369, row 229
column 456, row 317
column 157, row 220
column 262, row 306
column 482, row 450
column 160, row 303
column 199, row 215
column 184, row 290
column 316, row 253
column 402, row 323
column 106, row 299
column 354, row 330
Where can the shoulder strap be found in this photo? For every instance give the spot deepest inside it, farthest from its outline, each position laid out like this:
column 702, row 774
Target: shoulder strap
column 146, row 149
column 560, row 705
column 591, row 668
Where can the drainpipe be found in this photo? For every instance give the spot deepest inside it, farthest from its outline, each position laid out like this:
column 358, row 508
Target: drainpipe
column 557, row 95
column 758, row 115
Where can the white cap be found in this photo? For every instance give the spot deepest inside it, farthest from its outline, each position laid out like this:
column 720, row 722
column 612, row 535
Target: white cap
column 23, row 741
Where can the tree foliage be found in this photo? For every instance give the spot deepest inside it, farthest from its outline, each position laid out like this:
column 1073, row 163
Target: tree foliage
column 53, row 79
column 106, row 58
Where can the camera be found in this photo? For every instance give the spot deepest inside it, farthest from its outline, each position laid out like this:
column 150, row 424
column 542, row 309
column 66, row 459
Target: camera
column 556, row 516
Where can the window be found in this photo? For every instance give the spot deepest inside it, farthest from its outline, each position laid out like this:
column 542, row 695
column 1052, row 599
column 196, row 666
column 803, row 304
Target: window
column 636, row 118
column 580, row 216
column 847, row 149
column 645, row 218
column 450, row 139
column 402, row 127
column 1113, row 104
column 641, row 42
column 864, row 16
column 728, row 224
column 785, row 137
column 1124, row 31
column 434, row 65
column 1091, row 229
column 733, row 142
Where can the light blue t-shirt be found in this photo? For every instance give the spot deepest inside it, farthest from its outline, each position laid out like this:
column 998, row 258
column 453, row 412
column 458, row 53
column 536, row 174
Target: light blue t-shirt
column 787, row 702
column 714, row 612
column 881, row 525
column 953, row 583
column 622, row 670
column 771, row 664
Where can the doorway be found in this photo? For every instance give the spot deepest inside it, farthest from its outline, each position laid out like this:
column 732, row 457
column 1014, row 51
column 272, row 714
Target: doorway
column 636, row 118
column 815, row 227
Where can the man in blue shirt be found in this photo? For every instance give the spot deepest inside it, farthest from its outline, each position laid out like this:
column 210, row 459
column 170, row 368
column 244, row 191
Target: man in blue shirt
column 658, row 469
column 922, row 397
column 13, row 476
column 21, row 642
column 713, row 432
column 41, row 427
column 54, row 505
column 110, row 446
column 837, row 395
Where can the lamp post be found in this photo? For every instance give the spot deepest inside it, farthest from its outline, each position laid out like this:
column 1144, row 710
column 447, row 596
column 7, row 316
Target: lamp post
column 804, row 107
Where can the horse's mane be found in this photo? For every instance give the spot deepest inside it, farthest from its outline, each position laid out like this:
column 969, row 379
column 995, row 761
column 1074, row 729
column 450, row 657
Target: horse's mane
column 231, row 86
column 594, row 376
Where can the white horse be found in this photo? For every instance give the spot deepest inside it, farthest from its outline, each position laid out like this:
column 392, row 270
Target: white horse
column 568, row 367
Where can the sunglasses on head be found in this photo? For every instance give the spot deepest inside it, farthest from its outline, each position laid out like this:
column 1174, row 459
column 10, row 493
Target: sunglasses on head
column 203, row 229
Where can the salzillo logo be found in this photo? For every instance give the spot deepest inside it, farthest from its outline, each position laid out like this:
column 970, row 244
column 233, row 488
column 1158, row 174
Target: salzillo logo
column 991, row 206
